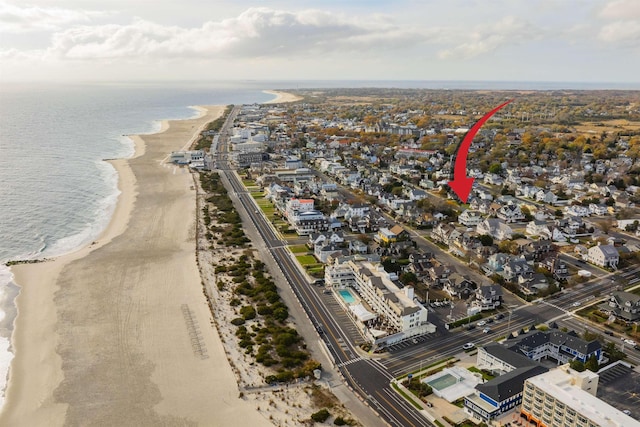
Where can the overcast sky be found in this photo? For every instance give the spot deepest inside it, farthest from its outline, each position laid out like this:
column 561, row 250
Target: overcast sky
column 507, row 40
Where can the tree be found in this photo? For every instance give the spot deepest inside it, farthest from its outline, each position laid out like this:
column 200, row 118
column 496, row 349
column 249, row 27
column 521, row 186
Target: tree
column 592, row 363
column 485, row 239
column 408, row 278
column 577, row 365
column 495, row 168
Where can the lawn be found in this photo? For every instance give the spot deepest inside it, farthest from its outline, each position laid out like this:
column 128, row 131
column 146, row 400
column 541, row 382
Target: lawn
column 306, row 259
column 298, row 249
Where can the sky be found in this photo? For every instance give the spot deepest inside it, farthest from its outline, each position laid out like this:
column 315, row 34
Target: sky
column 203, row 40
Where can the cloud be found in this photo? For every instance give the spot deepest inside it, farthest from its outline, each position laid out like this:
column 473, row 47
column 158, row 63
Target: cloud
column 621, row 9
column 625, row 28
column 488, row 38
column 257, row 32
column 621, row 32
column 15, row 19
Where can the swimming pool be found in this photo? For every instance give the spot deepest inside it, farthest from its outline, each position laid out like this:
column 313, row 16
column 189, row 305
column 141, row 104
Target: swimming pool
column 346, row 296
column 440, row 383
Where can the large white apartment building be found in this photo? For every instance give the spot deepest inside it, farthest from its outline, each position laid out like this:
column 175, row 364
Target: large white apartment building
column 396, row 308
column 564, row 397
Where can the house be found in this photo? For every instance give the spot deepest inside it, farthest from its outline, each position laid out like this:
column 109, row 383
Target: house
column 510, row 213
column 546, row 197
column 358, row 247
column 556, row 266
column 488, row 297
column 501, row 394
column 419, row 264
column 494, row 228
column 577, row 210
column 560, row 346
column 394, row 234
column 515, row 268
column 470, row 218
column 622, row 305
column 322, row 252
column 459, row 286
column 322, row 238
column 442, row 232
column 539, row 228
column 603, row 256
column 598, row 209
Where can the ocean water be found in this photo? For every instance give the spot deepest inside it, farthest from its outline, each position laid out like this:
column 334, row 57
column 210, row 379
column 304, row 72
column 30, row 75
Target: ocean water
column 56, row 192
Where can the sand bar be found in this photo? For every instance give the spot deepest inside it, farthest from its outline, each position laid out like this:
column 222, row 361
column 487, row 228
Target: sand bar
column 281, row 97
column 102, row 337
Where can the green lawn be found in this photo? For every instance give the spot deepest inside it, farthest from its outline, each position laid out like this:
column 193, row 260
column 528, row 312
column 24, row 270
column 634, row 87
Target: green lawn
column 298, row 249
column 248, row 182
column 306, row 259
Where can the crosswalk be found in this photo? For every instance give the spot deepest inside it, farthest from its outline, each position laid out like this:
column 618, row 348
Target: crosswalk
column 349, row 362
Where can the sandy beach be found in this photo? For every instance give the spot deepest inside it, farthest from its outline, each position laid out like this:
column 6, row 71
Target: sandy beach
column 281, row 97
column 103, row 334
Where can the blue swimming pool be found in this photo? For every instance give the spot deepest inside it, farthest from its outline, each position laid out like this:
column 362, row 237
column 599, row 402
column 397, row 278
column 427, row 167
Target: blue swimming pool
column 346, row 296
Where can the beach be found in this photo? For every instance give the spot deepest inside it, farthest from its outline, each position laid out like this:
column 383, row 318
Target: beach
column 102, row 337
column 281, row 97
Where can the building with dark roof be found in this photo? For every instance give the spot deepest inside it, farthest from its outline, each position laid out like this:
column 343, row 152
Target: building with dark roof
column 561, row 346
column 500, row 394
column 623, row 305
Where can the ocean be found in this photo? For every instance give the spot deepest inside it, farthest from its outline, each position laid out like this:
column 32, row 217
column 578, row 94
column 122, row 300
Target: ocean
column 56, row 192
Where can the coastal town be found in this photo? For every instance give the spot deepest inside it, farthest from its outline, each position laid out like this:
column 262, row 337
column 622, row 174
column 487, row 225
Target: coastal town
column 517, row 307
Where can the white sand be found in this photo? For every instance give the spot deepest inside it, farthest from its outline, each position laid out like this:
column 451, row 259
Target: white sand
column 281, row 97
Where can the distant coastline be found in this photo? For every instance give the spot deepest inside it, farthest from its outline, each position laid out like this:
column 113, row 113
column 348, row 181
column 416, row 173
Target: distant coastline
column 281, row 97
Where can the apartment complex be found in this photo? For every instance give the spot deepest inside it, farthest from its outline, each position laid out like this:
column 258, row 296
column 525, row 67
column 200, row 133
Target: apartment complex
column 396, row 308
column 564, row 397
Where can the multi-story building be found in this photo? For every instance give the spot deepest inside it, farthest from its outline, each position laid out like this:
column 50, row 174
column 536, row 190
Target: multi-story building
column 397, row 310
column 500, row 394
column 564, row 397
column 298, row 206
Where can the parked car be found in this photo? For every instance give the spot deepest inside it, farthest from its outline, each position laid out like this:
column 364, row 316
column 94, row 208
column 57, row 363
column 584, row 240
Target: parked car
column 630, row 342
column 608, row 333
column 468, row 346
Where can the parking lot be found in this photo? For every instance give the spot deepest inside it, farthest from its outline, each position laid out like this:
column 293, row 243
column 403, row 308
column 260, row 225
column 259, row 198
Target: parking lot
column 407, row 343
column 620, row 388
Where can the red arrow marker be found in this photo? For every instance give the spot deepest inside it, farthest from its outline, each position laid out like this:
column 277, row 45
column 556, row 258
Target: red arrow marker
column 461, row 183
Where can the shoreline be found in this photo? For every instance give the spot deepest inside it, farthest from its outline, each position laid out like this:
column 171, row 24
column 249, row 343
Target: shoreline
column 102, row 325
column 281, row 97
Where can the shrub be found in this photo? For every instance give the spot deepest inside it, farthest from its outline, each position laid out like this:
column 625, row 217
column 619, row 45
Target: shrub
column 320, row 416
column 237, row 321
column 248, row 312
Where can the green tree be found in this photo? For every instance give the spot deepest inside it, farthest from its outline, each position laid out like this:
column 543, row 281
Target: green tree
column 592, row 363
column 485, row 239
column 577, row 365
column 495, row 168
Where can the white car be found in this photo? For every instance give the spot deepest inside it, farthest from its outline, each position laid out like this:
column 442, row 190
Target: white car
column 468, row 346
column 486, row 330
column 576, row 304
column 482, row 323
column 630, row 342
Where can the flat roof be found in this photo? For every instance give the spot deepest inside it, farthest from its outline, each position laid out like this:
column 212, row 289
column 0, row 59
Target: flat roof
column 558, row 383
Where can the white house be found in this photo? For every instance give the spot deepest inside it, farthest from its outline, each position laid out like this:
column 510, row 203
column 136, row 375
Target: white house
column 604, row 256
column 510, row 213
column 494, row 228
column 470, row 218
